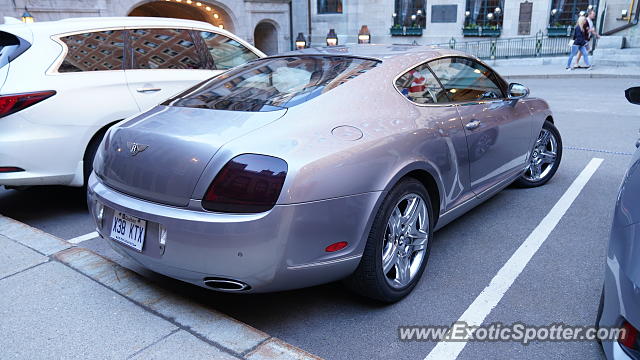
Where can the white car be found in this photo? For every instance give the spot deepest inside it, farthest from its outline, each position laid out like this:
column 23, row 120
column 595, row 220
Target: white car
column 64, row 83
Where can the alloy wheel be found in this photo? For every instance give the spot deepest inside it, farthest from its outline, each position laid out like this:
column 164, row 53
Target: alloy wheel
column 543, row 156
column 405, row 240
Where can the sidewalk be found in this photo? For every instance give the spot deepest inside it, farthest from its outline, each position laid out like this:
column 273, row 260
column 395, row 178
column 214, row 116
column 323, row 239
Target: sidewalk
column 558, row 71
column 60, row 301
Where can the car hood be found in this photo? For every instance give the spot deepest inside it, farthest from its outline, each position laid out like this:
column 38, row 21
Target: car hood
column 161, row 154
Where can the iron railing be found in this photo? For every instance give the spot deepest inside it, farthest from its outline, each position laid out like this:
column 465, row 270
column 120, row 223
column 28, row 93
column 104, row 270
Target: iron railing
column 495, row 48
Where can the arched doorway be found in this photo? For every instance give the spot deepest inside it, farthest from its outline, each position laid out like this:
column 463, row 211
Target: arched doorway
column 185, row 9
column 265, row 37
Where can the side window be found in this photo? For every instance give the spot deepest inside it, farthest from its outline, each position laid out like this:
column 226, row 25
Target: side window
column 163, row 49
column 93, row 51
column 225, row 52
column 420, row 86
column 466, row 80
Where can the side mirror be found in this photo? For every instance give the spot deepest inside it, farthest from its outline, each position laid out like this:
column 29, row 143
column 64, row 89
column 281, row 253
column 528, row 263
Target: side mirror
column 633, row 95
column 518, row 91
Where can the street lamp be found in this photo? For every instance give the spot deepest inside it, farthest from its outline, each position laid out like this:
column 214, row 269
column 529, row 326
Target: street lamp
column 364, row 36
column 490, row 16
column 26, row 17
column 395, row 17
column 301, row 42
column 332, row 38
column 498, row 10
column 554, row 12
column 467, row 13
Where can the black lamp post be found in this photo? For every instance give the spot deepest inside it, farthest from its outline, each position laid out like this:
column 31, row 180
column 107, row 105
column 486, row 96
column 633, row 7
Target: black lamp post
column 364, row 36
column 301, row 42
column 332, row 38
column 26, row 17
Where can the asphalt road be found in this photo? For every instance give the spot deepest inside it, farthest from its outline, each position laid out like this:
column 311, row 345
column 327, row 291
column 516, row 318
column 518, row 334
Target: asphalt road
column 561, row 283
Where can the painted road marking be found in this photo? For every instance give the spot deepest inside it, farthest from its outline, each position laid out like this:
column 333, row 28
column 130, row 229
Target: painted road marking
column 493, row 293
column 79, row 239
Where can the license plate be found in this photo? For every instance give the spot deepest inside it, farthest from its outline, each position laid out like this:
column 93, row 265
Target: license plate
column 128, row 230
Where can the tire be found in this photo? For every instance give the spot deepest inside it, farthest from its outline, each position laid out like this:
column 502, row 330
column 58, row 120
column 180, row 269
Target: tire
column 600, row 310
column 544, row 159
column 90, row 154
column 409, row 250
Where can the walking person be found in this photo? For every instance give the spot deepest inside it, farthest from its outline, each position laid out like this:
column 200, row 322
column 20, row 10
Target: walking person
column 579, row 42
column 591, row 32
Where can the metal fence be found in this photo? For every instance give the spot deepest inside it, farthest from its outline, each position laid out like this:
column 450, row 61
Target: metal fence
column 495, row 48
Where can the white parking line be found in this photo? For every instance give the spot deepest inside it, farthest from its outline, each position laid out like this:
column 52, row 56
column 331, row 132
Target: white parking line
column 79, row 239
column 493, row 293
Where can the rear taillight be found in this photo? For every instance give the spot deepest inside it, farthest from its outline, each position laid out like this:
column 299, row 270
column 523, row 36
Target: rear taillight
column 8, row 169
column 629, row 337
column 10, row 104
column 248, row 183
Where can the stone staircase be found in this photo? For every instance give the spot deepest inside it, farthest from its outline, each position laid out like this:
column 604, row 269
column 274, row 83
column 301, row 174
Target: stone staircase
column 616, row 57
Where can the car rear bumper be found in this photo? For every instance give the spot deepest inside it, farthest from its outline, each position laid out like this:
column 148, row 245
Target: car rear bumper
column 281, row 249
column 50, row 155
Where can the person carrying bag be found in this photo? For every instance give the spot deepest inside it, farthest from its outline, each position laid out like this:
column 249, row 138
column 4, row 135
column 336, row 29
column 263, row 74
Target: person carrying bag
column 580, row 39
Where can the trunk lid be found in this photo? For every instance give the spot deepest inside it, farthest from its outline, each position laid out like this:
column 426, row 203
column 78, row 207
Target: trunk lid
column 171, row 148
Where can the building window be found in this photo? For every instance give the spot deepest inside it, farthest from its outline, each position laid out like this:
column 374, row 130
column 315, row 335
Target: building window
column 329, row 6
column 410, row 13
column 566, row 12
column 484, row 13
column 170, row 49
column 96, row 51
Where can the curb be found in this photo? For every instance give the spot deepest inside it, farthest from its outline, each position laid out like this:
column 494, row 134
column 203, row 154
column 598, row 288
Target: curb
column 576, row 76
column 219, row 330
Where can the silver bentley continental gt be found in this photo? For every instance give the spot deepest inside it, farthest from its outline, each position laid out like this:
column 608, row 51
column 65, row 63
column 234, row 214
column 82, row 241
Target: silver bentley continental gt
column 317, row 165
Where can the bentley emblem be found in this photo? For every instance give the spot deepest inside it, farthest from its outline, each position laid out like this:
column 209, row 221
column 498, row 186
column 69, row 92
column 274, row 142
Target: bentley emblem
column 135, row 148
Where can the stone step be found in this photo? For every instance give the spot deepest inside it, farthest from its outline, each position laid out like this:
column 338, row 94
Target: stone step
column 628, row 51
column 617, row 63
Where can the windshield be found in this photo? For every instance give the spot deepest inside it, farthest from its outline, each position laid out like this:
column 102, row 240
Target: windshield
column 273, row 83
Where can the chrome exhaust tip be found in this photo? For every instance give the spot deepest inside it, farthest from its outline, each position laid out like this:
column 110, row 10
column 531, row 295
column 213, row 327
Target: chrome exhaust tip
column 229, row 285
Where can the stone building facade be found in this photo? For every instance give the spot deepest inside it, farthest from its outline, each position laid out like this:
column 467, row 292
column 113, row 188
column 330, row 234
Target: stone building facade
column 272, row 25
column 438, row 21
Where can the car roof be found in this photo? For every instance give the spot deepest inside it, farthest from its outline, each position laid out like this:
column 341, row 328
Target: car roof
column 398, row 56
column 379, row 51
column 91, row 23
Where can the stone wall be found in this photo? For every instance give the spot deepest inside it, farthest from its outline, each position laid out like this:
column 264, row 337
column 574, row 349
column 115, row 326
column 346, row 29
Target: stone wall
column 245, row 15
column 541, row 10
column 613, row 19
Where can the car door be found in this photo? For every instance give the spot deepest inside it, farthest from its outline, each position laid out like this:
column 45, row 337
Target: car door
column 498, row 130
column 444, row 142
column 162, row 62
column 91, row 77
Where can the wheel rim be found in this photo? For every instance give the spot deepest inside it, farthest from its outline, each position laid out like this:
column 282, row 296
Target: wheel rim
column 405, row 240
column 543, row 156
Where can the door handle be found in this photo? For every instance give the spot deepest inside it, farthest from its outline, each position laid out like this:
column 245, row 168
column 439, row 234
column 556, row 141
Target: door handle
column 147, row 90
column 472, row 125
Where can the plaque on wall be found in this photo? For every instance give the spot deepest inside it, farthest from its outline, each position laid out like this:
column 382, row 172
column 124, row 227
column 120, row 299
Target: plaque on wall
column 524, row 21
column 444, row 13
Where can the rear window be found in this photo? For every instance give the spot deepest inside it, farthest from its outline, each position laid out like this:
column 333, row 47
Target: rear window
column 273, row 83
column 11, row 47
